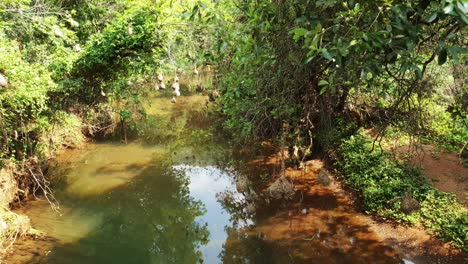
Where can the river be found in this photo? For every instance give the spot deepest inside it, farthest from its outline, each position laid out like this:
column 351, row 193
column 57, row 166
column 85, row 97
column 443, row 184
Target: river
column 170, row 197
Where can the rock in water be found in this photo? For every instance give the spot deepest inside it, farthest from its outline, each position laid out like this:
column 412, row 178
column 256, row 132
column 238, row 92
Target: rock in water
column 3, row 81
column 242, row 183
column 281, row 189
column 251, row 208
column 324, row 177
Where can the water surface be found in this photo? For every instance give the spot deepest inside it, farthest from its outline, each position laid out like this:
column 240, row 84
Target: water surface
column 170, row 197
column 154, row 200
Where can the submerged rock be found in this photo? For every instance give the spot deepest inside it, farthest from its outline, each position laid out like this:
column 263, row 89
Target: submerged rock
column 242, row 183
column 324, row 177
column 281, row 189
column 251, row 209
column 251, row 196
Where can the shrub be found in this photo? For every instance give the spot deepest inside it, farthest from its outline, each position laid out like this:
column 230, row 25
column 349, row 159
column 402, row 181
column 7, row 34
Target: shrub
column 381, row 182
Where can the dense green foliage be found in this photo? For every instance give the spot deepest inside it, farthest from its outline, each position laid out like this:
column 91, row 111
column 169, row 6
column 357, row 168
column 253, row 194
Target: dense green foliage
column 93, row 59
column 73, row 67
column 319, row 70
column 382, row 183
column 308, row 63
column 307, row 72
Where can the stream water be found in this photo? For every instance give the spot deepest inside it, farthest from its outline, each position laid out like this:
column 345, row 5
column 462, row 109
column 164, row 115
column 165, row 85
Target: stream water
column 170, row 197
column 155, row 200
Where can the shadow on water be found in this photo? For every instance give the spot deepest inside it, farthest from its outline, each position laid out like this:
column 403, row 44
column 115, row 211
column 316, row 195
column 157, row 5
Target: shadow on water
column 149, row 220
column 140, row 202
column 170, row 198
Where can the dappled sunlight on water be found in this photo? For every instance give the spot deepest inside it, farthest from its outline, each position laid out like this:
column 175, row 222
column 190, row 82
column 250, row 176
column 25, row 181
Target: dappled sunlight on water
column 68, row 226
column 170, row 197
column 108, row 166
column 139, row 202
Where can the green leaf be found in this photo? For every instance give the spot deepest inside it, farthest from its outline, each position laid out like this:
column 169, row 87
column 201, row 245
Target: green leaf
column 323, row 90
column 299, row 32
column 442, row 56
column 418, row 72
column 464, row 18
column 432, row 18
column 353, row 42
column 462, row 6
column 454, row 54
column 365, row 37
column 323, row 82
column 343, row 51
column 448, row 8
column 326, row 54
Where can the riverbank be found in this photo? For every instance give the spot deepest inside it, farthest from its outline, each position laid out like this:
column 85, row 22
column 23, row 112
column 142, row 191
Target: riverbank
column 93, row 183
column 325, row 224
column 112, row 191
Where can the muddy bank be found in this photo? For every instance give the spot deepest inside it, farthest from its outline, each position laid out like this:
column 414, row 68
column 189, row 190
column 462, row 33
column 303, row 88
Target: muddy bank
column 324, row 225
column 444, row 170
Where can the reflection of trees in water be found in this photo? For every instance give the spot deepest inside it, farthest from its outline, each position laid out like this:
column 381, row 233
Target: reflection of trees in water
column 151, row 220
column 244, row 247
column 233, row 203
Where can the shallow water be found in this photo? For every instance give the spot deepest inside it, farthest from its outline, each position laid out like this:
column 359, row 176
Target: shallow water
column 142, row 202
column 170, row 197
